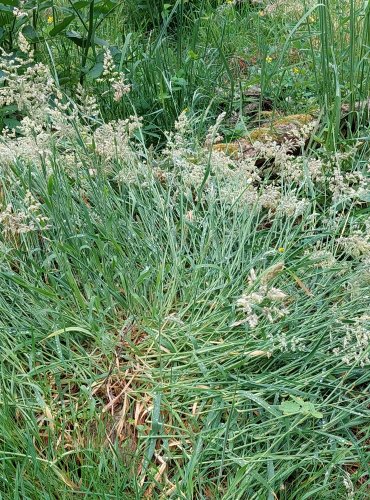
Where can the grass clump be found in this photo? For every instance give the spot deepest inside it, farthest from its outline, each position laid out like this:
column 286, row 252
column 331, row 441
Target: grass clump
column 179, row 321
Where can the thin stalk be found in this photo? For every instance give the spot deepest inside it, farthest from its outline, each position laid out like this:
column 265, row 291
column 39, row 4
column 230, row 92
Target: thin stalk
column 88, row 41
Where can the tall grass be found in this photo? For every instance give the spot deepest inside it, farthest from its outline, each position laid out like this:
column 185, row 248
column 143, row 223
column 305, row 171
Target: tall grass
column 187, row 55
column 126, row 368
column 184, row 67
column 118, row 355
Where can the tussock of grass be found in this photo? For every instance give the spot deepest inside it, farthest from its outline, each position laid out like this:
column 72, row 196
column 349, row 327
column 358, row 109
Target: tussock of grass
column 181, row 322
column 118, row 357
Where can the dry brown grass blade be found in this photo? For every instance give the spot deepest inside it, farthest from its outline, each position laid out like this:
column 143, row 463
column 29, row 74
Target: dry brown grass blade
column 66, row 480
column 301, row 285
column 271, row 272
column 113, row 401
column 256, row 354
column 157, row 477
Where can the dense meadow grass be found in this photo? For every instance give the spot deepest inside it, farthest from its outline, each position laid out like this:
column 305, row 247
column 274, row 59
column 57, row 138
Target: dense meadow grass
column 184, row 265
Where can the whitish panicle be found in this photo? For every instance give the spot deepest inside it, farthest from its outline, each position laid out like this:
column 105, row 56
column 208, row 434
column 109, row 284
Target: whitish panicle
column 354, row 344
column 347, row 186
column 356, row 245
column 20, row 221
column 115, row 79
column 86, row 104
column 213, row 135
column 262, row 300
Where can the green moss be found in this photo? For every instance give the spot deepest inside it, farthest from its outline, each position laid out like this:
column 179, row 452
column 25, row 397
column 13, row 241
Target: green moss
column 280, row 128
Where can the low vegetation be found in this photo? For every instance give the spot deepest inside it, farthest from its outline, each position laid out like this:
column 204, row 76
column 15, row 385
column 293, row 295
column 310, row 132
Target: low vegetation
column 185, row 249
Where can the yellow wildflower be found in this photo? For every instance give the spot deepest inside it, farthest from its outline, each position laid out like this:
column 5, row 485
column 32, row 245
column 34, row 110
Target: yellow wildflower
column 268, row 59
column 281, row 249
column 296, row 71
column 50, row 19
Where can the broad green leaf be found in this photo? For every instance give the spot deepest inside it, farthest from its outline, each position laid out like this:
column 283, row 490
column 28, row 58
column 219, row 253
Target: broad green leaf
column 309, row 409
column 11, row 122
column 80, row 4
column 290, row 407
column 10, row 108
column 76, row 38
column 45, row 5
column 61, row 26
column 30, row 33
column 80, row 40
column 101, row 42
column 178, row 83
column 299, row 406
column 193, row 55
column 96, row 71
column 13, row 3
column 6, row 8
column 104, row 7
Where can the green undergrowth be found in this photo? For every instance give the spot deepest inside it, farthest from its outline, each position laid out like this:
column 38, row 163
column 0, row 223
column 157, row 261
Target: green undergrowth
column 176, row 322
column 203, row 55
column 119, row 354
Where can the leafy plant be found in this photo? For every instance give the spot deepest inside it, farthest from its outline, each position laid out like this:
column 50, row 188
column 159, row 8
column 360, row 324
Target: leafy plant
column 296, row 406
column 16, row 16
column 89, row 16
